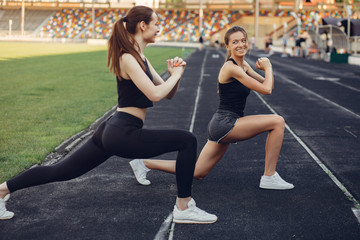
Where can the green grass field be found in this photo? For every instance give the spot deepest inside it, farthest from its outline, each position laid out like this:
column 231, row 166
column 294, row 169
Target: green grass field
column 49, row 92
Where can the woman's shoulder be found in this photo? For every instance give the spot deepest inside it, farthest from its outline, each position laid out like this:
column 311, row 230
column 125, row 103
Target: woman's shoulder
column 246, row 64
column 226, row 72
column 228, row 65
column 230, row 68
column 127, row 57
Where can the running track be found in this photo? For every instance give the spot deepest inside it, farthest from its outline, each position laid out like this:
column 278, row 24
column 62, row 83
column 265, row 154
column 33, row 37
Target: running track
column 320, row 156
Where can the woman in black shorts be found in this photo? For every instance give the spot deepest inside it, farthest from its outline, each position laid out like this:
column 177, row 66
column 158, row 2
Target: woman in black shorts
column 122, row 134
column 228, row 125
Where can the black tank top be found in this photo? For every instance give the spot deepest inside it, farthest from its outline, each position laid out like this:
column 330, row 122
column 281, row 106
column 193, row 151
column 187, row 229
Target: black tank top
column 129, row 95
column 233, row 95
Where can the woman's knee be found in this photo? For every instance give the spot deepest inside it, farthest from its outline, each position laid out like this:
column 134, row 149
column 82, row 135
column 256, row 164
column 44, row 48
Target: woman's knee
column 200, row 173
column 279, row 122
column 199, row 176
column 189, row 139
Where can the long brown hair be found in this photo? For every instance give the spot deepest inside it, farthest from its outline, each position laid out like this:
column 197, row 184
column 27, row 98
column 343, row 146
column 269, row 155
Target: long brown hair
column 122, row 37
column 232, row 30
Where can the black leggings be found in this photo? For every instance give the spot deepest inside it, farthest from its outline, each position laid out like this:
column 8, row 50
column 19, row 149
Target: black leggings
column 121, row 135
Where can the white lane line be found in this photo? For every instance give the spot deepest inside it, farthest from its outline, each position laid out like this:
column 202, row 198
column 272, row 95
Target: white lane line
column 347, row 86
column 311, row 92
column 356, row 211
column 356, row 203
column 164, row 228
column 313, row 69
column 317, row 95
column 160, row 235
column 198, row 93
column 351, row 133
column 317, row 71
column 171, row 231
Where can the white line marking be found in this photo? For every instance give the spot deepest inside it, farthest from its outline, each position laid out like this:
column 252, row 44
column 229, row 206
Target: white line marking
column 160, row 235
column 317, row 71
column 172, row 229
column 321, row 78
column 356, row 211
column 311, row 92
column 318, row 161
column 350, row 133
column 164, row 228
column 198, row 93
column 347, row 86
column 317, row 95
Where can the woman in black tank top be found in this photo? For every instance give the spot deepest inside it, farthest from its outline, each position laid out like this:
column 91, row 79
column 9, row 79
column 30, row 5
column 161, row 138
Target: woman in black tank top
column 229, row 125
column 122, row 134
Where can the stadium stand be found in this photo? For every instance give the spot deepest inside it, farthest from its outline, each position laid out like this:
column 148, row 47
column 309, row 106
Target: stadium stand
column 68, row 23
column 175, row 24
column 33, row 18
column 103, row 25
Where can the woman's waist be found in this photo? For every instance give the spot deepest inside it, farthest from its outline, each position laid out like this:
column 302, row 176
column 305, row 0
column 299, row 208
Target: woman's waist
column 134, row 111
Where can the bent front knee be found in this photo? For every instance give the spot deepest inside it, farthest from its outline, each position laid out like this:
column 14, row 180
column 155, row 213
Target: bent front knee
column 191, row 139
column 199, row 176
column 280, row 121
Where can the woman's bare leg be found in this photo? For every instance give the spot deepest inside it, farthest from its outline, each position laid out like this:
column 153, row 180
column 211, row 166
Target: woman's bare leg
column 4, row 190
column 209, row 156
column 161, row 165
column 250, row 126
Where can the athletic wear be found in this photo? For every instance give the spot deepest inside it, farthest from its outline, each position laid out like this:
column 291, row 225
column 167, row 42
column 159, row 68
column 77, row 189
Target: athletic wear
column 4, row 214
column 274, row 182
column 140, row 171
column 129, row 95
column 122, row 135
column 192, row 214
column 221, row 124
column 233, row 97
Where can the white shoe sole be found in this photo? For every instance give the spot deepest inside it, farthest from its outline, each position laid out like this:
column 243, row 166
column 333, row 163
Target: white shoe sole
column 276, row 188
column 192, row 221
column 6, row 218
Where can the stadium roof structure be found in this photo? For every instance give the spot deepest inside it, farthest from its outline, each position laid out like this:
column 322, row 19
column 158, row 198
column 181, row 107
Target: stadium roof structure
column 267, row 5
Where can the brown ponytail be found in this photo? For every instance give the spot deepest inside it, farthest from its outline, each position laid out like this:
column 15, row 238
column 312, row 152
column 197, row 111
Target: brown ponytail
column 232, row 30
column 122, row 41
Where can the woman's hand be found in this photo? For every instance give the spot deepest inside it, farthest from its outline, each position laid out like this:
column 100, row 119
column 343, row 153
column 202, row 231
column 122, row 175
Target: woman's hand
column 263, row 63
column 176, row 66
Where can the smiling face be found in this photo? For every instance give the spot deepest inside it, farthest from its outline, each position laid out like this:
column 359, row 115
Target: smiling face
column 238, row 44
column 151, row 29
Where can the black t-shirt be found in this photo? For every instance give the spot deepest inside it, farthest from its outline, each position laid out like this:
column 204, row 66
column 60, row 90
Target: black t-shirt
column 129, row 95
column 233, row 95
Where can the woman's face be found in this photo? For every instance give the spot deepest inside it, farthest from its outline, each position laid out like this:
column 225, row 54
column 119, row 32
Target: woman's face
column 151, row 29
column 238, row 44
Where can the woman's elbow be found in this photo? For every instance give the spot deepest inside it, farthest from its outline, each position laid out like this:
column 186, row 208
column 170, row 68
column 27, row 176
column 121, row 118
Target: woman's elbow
column 267, row 91
column 155, row 98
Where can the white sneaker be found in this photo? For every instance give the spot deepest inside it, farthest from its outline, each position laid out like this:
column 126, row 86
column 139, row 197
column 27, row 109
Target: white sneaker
column 140, row 171
column 274, row 182
column 192, row 214
column 4, row 214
